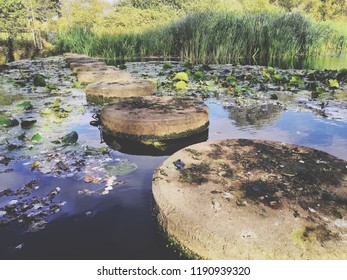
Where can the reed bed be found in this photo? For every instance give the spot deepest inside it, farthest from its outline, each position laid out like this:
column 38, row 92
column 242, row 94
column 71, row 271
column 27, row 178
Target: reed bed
column 211, row 37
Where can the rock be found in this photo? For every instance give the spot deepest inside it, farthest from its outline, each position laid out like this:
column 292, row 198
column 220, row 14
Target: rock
column 153, row 117
column 125, row 88
column 259, row 212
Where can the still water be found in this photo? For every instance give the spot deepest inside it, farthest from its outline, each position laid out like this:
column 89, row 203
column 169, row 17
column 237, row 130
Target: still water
column 120, row 225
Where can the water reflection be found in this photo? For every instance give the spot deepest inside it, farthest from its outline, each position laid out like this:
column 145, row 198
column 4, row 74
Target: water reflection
column 332, row 62
column 257, row 115
column 149, row 148
column 301, row 128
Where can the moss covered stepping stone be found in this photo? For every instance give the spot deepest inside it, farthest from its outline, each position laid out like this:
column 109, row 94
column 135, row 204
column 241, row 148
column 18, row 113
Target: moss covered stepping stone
column 153, row 117
column 125, row 88
column 244, row 199
column 92, row 67
column 102, row 76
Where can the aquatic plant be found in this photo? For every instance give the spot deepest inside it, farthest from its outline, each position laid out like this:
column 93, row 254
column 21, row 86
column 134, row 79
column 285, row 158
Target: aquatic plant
column 222, row 37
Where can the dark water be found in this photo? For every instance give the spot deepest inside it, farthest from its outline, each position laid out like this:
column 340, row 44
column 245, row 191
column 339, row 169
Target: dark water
column 120, row 225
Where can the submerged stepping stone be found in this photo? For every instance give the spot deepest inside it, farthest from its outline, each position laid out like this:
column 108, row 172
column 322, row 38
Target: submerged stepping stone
column 244, row 199
column 126, row 88
column 155, row 118
column 102, row 76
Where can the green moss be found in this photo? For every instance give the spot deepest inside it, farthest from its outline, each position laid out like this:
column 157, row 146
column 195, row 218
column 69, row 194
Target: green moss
column 195, row 174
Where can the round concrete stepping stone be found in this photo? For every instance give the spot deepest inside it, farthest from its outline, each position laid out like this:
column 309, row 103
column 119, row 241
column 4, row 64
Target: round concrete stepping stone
column 102, row 76
column 92, row 67
column 154, row 117
column 126, row 88
column 244, row 199
column 72, row 56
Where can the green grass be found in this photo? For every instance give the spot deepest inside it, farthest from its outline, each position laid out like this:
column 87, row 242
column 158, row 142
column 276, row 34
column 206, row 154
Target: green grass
column 211, row 37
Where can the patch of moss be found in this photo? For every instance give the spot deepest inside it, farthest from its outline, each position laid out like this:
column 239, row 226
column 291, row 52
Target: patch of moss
column 195, row 174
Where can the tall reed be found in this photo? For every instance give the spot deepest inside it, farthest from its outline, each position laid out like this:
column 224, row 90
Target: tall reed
column 207, row 37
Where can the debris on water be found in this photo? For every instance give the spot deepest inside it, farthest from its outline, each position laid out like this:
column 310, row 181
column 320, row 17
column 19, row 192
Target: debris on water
column 179, row 164
column 30, row 209
column 19, row 247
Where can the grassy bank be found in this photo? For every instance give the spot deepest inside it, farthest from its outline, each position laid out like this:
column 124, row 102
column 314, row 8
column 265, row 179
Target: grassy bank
column 212, row 37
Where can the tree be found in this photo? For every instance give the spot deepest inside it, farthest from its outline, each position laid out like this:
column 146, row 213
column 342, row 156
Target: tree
column 84, row 13
column 18, row 16
column 12, row 21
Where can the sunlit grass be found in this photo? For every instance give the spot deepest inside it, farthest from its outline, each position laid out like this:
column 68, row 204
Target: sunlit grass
column 213, row 37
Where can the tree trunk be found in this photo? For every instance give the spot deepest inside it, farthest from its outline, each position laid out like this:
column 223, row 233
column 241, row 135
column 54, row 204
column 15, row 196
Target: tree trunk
column 10, row 47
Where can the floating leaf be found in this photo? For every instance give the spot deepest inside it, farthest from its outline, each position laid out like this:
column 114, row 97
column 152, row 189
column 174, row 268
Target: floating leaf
column 56, row 104
column 28, row 123
column 39, row 80
column 181, row 76
column 45, row 111
column 36, row 137
column 181, row 85
column 70, row 138
column 278, row 77
column 124, row 167
column 198, row 75
column 333, row 83
column 26, row 105
column 7, row 122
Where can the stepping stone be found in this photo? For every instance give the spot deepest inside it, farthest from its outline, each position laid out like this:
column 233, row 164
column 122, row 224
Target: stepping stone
column 102, row 76
column 155, row 118
column 244, row 199
column 90, row 67
column 69, row 56
column 126, row 88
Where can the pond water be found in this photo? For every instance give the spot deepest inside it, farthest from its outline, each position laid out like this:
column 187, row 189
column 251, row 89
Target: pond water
column 69, row 211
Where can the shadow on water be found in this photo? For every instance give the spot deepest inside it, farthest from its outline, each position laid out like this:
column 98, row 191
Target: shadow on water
column 152, row 148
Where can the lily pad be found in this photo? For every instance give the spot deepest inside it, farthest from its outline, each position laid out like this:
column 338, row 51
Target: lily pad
column 181, row 76
column 181, row 85
column 26, row 105
column 36, row 137
column 333, row 83
column 70, row 138
column 124, row 167
column 39, row 80
column 7, row 122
